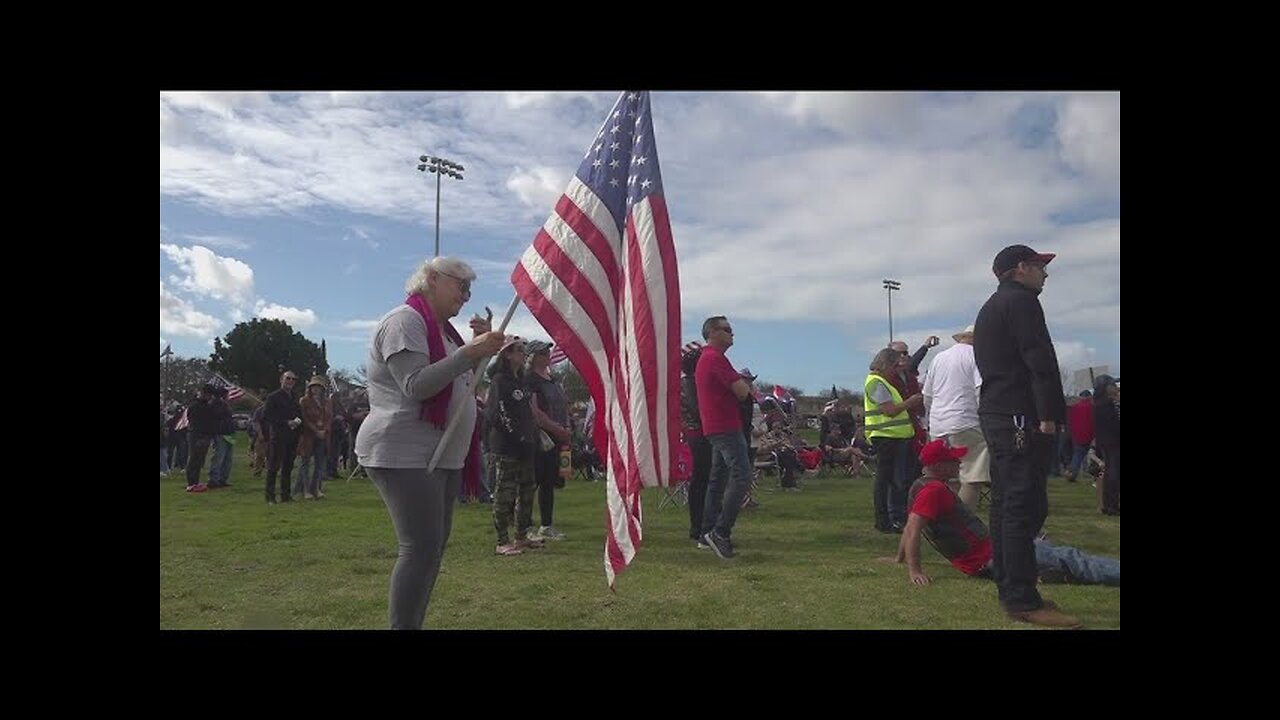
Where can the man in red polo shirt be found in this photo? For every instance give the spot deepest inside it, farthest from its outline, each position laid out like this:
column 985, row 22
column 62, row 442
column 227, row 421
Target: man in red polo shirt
column 720, row 390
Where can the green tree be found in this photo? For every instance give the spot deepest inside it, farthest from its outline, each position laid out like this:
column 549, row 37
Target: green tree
column 254, row 354
column 850, row 398
column 181, row 378
column 575, row 388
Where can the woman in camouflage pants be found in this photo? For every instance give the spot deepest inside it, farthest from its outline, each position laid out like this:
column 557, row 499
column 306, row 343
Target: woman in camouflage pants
column 513, row 437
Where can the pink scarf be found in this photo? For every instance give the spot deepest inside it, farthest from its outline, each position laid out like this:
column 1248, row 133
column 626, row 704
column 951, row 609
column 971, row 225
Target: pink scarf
column 435, row 408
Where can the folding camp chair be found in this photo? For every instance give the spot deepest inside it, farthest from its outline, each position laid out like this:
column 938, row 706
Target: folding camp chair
column 672, row 496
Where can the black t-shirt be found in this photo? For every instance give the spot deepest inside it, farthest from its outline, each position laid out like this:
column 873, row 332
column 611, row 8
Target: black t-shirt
column 551, row 399
column 509, row 413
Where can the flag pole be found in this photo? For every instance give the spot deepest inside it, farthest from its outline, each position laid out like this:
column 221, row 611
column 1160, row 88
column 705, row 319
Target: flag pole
column 453, row 421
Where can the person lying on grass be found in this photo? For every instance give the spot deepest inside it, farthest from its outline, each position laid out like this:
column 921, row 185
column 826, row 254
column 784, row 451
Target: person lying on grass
column 960, row 536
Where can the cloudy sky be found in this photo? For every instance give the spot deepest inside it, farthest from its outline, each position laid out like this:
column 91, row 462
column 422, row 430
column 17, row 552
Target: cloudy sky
column 788, row 209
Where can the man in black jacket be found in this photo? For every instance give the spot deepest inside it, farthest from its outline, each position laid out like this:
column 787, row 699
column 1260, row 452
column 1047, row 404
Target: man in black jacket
column 281, row 419
column 202, row 425
column 1019, row 407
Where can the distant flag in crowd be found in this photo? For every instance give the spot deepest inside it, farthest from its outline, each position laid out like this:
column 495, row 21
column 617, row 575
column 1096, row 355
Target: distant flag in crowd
column 601, row 279
column 233, row 391
column 182, row 421
column 781, row 394
column 557, row 355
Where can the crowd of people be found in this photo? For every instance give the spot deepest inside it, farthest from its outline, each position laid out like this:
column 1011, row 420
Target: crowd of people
column 320, row 442
column 985, row 423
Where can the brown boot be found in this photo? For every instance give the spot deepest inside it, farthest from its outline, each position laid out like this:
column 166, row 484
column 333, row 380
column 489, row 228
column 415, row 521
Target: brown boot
column 1047, row 616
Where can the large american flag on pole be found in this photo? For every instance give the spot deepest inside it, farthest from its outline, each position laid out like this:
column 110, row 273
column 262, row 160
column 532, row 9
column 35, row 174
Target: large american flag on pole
column 601, row 279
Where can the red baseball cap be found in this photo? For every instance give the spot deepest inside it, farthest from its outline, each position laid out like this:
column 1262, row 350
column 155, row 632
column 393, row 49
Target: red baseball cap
column 939, row 451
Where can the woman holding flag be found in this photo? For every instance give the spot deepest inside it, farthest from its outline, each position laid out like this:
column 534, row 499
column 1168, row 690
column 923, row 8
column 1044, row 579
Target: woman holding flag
column 421, row 374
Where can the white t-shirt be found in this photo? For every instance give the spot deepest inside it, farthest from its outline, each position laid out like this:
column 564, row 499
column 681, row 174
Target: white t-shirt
column 394, row 435
column 951, row 391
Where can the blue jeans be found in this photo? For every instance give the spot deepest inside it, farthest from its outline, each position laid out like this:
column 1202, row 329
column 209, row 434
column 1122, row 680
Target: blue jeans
column 312, row 465
column 729, row 482
column 164, row 460
column 1083, row 568
column 1078, row 454
column 220, row 465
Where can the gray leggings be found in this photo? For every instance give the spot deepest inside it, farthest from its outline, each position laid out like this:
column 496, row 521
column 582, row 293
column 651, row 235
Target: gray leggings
column 421, row 510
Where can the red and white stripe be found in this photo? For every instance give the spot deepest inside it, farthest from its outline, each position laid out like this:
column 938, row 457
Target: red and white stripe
column 557, row 356
column 611, row 302
column 234, row 392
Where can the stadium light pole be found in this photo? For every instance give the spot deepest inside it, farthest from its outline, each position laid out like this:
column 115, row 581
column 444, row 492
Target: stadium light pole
column 439, row 166
column 890, row 286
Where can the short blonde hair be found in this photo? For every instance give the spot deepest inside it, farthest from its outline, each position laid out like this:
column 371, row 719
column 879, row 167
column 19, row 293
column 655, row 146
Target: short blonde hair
column 417, row 282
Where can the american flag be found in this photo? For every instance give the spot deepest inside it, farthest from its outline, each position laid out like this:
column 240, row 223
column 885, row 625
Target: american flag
column 557, row 355
column 601, row 278
column 233, row 391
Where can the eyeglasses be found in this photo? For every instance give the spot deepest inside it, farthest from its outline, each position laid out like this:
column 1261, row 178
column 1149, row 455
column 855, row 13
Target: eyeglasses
column 463, row 285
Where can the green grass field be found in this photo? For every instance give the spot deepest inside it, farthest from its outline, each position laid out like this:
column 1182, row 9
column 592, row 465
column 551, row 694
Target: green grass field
column 806, row 560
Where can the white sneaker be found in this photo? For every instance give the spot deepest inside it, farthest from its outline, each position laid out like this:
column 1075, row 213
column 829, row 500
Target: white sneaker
column 549, row 532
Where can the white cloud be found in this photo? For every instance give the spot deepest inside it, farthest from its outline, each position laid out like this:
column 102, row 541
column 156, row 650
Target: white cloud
column 785, row 206
column 522, row 100
column 298, row 318
column 859, row 112
column 1089, row 132
column 219, row 241
column 1074, row 355
column 222, row 104
column 538, row 187
column 360, row 324
column 179, row 317
column 365, row 235
column 207, row 273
